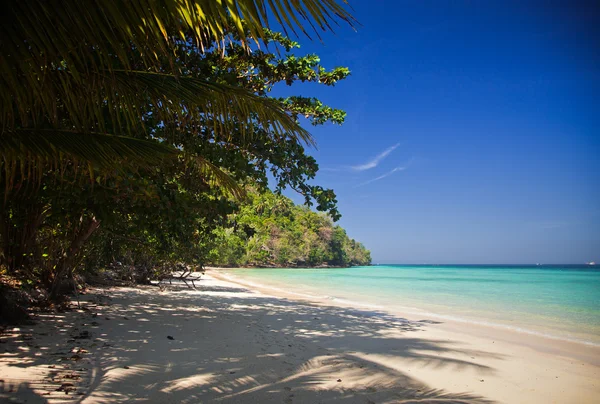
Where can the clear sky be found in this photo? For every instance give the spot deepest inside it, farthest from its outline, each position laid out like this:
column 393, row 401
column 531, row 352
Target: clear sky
column 473, row 130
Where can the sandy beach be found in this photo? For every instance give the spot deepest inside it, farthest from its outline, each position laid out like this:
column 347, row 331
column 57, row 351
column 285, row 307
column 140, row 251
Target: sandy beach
column 225, row 342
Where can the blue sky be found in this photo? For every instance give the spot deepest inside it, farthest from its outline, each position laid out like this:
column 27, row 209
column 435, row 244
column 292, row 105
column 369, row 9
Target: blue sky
column 473, row 130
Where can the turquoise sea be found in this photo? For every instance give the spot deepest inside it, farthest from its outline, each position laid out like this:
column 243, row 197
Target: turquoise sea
column 556, row 301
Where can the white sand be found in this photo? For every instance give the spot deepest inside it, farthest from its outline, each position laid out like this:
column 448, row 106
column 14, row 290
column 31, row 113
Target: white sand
column 234, row 345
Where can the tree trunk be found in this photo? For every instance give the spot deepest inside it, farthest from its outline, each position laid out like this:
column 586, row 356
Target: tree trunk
column 65, row 265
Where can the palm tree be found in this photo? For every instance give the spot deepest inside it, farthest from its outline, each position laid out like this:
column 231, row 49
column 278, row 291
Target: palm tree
column 68, row 86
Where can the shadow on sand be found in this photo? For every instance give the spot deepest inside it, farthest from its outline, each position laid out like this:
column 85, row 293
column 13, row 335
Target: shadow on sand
column 268, row 350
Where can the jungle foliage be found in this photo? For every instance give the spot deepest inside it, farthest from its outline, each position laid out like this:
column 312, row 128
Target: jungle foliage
column 79, row 200
column 271, row 231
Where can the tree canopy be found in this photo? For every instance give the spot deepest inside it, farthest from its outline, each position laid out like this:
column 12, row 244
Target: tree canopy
column 76, row 78
column 62, row 216
column 271, row 230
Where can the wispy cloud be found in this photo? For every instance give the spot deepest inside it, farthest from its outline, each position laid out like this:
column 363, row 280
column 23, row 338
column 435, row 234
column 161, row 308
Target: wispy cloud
column 375, row 162
column 333, row 169
column 395, row 170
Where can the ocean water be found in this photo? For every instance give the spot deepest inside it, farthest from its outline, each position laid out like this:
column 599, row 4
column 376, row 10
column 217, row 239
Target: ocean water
column 556, row 301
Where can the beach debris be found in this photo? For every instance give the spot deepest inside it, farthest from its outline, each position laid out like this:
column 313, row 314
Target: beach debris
column 125, row 318
column 169, row 337
column 125, row 367
column 67, row 388
column 481, row 380
column 232, row 372
column 51, row 366
column 339, row 380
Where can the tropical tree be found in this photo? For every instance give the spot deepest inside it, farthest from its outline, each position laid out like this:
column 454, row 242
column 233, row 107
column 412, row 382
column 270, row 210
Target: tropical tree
column 94, row 88
column 144, row 234
column 68, row 85
column 164, row 213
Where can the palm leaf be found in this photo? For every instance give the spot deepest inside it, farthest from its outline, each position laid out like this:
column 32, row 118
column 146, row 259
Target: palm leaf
column 46, row 148
column 87, row 36
column 118, row 102
column 101, row 150
column 230, row 109
column 216, row 176
column 62, row 55
column 26, row 154
column 65, row 29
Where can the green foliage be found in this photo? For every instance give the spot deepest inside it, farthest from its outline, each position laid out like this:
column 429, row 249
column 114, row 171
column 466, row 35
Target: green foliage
column 92, row 69
column 271, row 231
column 92, row 218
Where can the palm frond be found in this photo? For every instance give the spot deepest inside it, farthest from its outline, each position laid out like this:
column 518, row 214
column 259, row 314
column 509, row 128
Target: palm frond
column 118, row 102
column 230, row 109
column 26, row 154
column 57, row 29
column 74, row 56
column 100, row 150
column 29, row 152
column 86, row 36
column 216, row 176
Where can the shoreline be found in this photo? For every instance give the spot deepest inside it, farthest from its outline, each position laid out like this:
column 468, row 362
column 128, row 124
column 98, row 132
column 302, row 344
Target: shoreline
column 226, row 343
column 510, row 333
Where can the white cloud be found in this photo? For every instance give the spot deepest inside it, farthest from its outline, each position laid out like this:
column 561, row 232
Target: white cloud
column 375, row 162
column 395, row 170
column 383, row 176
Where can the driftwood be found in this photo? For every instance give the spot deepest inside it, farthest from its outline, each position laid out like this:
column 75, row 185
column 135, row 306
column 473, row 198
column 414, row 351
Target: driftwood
column 184, row 276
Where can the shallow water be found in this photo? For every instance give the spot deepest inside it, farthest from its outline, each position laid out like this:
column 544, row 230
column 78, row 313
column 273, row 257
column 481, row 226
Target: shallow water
column 557, row 301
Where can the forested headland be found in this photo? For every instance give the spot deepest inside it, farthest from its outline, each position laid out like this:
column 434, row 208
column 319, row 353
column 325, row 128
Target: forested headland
column 270, row 230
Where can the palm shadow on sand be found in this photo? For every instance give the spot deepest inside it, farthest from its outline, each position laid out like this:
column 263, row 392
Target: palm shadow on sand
column 285, row 358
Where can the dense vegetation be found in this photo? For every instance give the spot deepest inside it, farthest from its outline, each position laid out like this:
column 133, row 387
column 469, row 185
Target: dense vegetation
column 132, row 147
column 272, row 231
